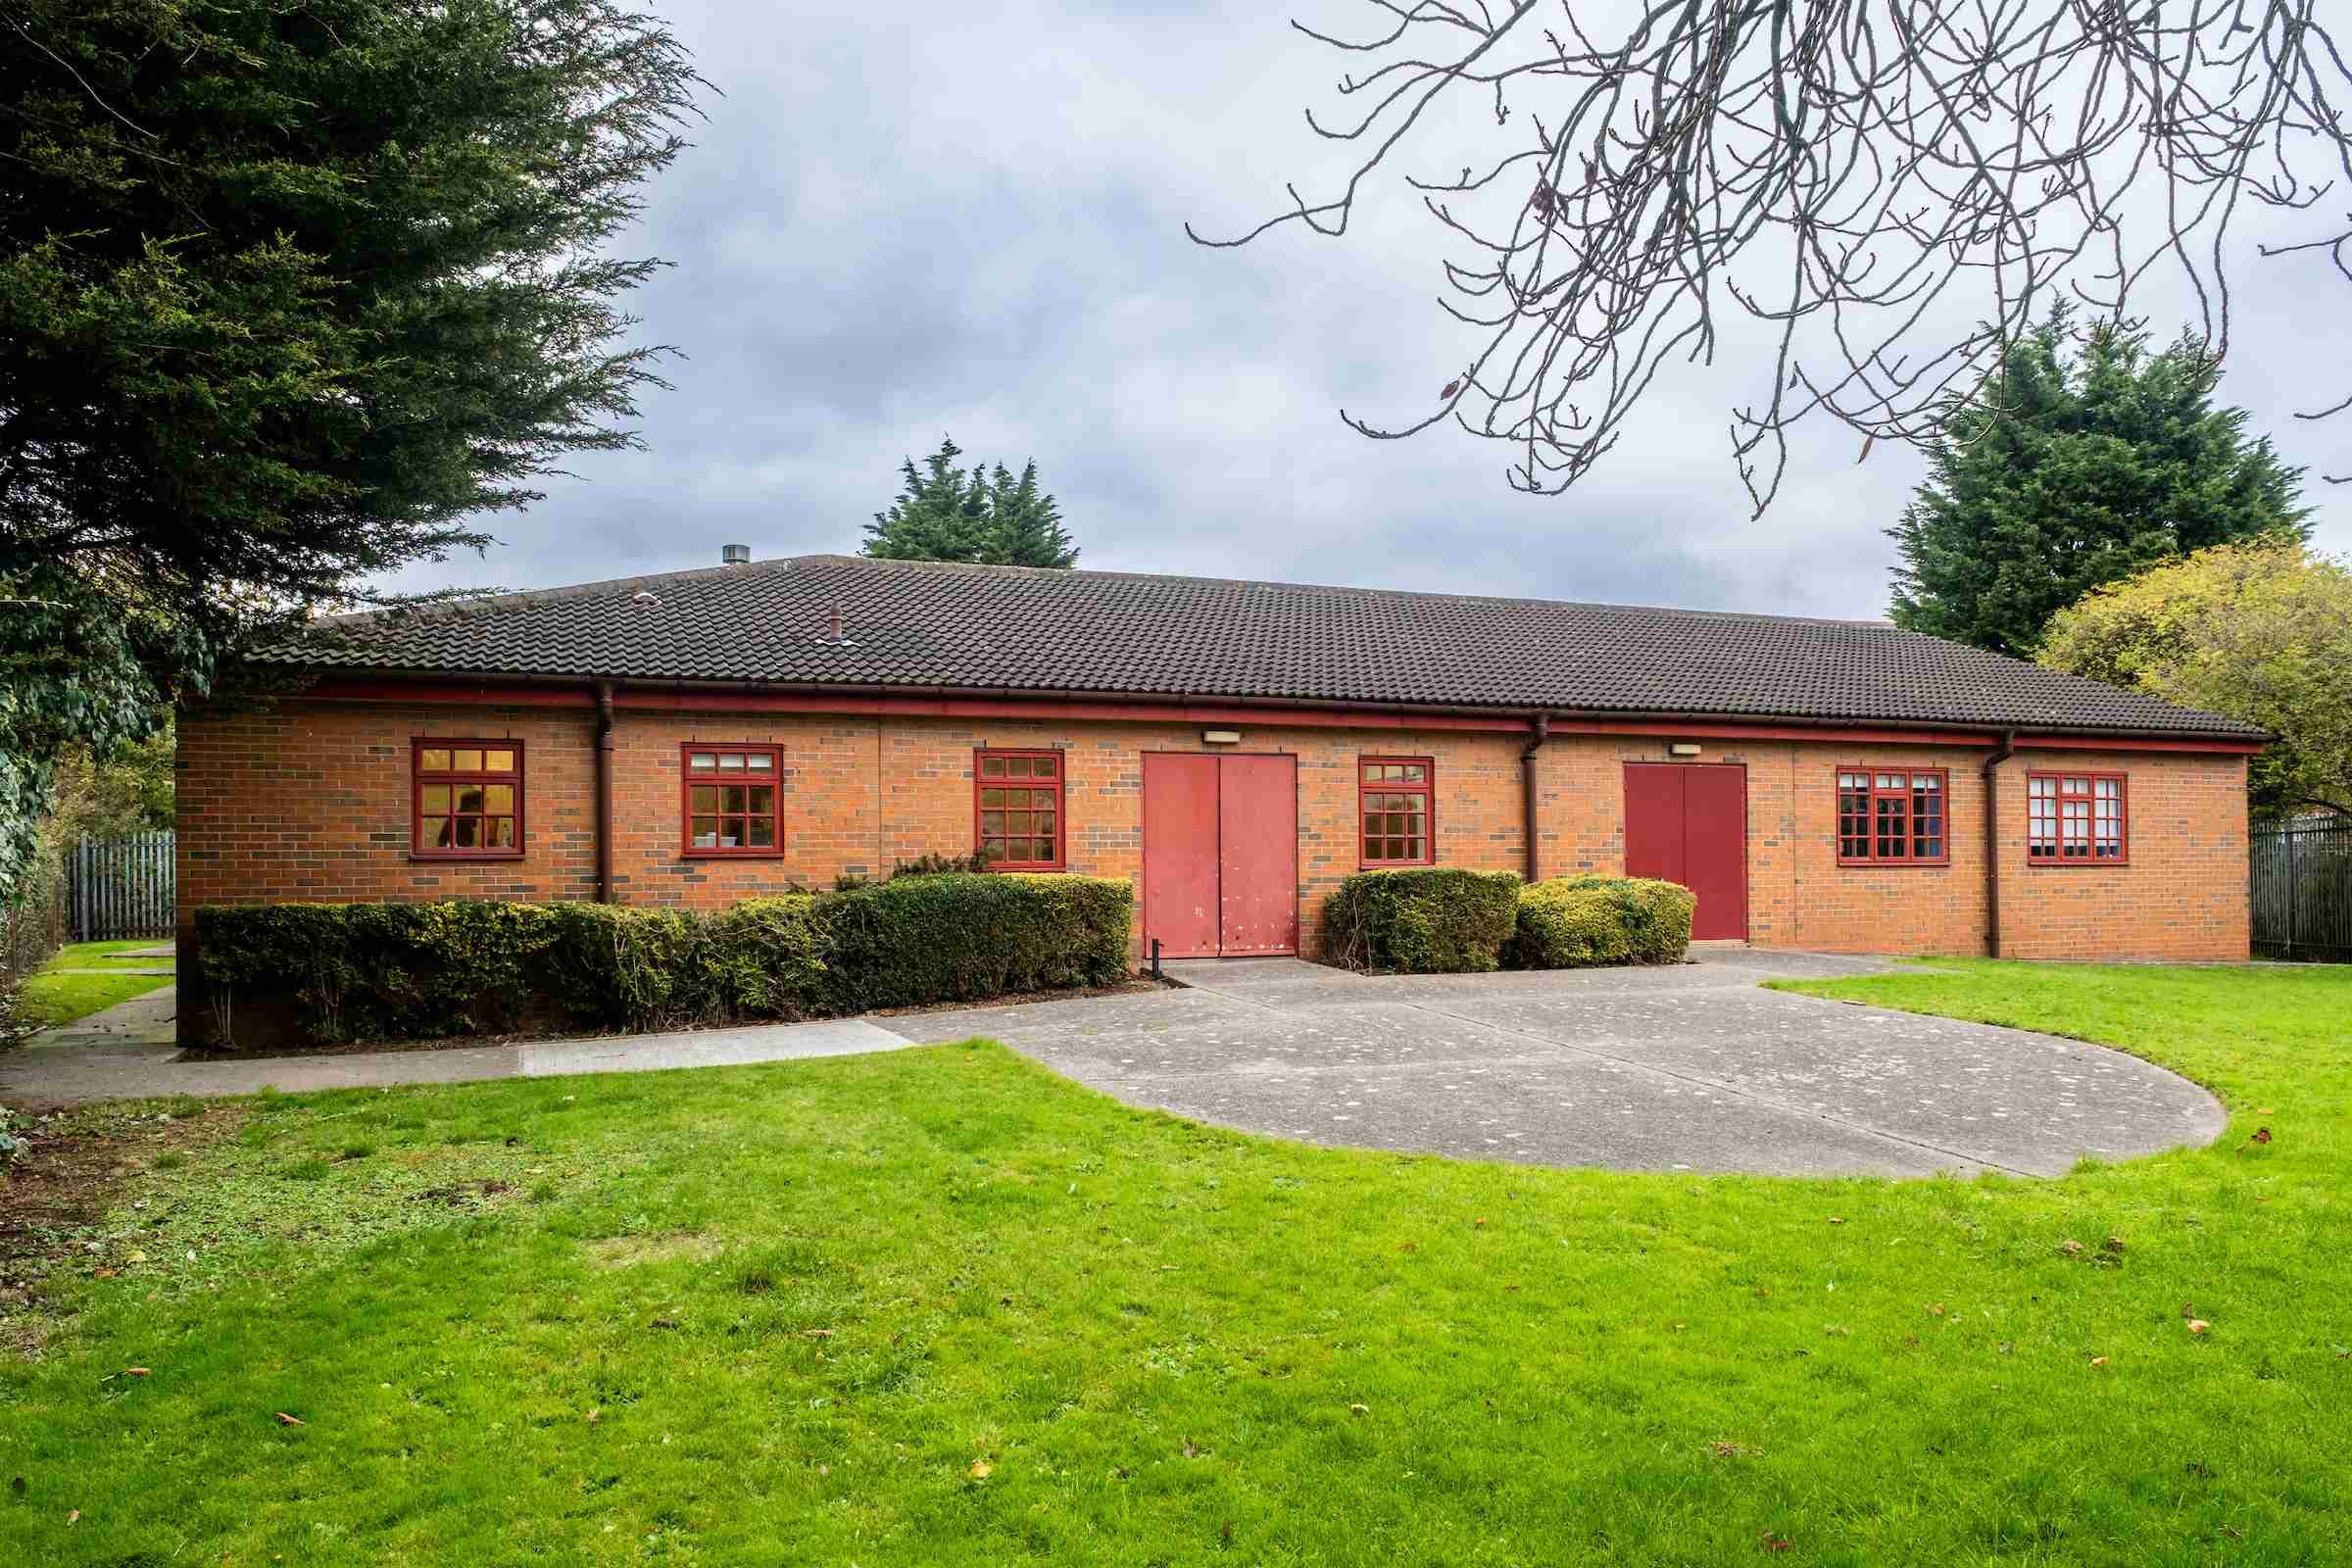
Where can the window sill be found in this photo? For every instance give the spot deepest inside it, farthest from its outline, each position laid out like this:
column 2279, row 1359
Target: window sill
column 730, row 855
column 461, row 856
column 1029, row 871
column 1945, row 865
column 2079, row 865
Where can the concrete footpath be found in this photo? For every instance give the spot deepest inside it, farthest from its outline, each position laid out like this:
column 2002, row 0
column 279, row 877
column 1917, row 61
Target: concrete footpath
column 125, row 1052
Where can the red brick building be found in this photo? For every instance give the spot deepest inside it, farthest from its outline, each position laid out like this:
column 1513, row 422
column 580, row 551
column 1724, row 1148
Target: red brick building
column 1234, row 748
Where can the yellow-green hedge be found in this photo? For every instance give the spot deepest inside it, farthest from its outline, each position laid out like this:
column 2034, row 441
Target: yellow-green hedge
column 373, row 971
column 1573, row 922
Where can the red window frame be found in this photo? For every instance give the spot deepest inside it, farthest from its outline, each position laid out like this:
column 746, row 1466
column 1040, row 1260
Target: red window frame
column 760, row 767
column 1387, row 778
column 454, row 782
column 1005, row 770
column 2051, row 815
column 1879, row 812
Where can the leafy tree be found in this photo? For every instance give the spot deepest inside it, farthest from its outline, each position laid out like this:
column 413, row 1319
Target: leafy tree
column 2260, row 630
column 128, row 788
column 2070, row 473
column 987, row 518
column 287, row 294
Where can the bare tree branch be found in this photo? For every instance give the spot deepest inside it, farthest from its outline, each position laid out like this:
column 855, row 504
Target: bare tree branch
column 1856, row 176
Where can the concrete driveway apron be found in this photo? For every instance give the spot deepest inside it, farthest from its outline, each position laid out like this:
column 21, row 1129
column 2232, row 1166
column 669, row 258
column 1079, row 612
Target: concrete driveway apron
column 1685, row 1068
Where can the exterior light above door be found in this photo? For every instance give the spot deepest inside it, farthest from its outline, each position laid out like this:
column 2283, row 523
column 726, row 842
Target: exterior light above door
column 1220, row 737
column 1683, row 748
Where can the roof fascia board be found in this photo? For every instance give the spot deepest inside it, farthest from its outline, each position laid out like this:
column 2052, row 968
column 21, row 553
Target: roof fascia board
column 972, row 703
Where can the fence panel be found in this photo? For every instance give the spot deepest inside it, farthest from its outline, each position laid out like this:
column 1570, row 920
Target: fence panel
column 2302, row 891
column 121, row 887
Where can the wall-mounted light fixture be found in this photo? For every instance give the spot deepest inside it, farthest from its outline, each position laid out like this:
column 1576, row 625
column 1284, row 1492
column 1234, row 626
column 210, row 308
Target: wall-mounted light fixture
column 1220, row 737
column 1683, row 749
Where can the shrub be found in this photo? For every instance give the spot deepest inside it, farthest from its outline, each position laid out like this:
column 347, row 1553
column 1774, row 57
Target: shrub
column 362, row 971
column 1431, row 921
column 766, row 958
column 962, row 936
column 621, row 969
column 1574, row 921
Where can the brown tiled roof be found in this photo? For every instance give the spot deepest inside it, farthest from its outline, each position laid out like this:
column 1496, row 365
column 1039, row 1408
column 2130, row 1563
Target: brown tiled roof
column 922, row 624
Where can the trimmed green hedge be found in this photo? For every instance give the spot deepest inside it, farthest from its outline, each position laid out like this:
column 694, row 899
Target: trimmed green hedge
column 1436, row 920
column 375, row 971
column 1571, row 922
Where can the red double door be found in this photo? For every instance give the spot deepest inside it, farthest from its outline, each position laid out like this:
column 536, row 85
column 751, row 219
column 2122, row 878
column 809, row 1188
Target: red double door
column 1688, row 824
column 1220, row 855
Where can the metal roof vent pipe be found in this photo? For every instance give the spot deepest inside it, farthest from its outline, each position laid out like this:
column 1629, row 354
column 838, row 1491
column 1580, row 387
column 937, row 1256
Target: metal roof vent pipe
column 734, row 554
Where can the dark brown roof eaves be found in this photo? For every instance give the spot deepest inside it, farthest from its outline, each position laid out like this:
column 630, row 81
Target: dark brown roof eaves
column 928, row 627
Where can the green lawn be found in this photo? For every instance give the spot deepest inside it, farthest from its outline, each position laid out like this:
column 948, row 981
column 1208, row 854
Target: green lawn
column 940, row 1308
column 60, row 998
column 88, row 954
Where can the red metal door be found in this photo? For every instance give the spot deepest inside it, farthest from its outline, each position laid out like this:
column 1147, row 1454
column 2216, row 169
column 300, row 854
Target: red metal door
column 1715, row 850
column 1180, row 854
column 1258, row 854
column 1688, row 824
column 1653, row 822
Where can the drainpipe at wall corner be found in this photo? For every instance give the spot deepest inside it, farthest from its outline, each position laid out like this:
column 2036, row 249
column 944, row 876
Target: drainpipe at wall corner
column 1992, row 842
column 1540, row 724
column 603, row 792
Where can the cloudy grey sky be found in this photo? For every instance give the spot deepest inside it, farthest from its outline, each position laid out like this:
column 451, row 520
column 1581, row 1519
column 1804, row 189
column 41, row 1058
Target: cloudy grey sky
column 920, row 218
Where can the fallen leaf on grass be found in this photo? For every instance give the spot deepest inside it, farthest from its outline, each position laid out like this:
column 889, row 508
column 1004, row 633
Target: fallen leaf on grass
column 1773, row 1543
column 2262, row 1135
column 816, row 1333
column 2197, row 1325
column 1729, row 1450
column 1191, row 1450
column 2112, row 1244
column 2072, row 1249
column 2264, row 1111
column 594, row 1416
column 285, row 1420
column 1837, row 1219
column 982, row 1469
column 1360, row 1409
column 1936, row 1310
column 75, row 1517
column 136, row 1372
column 2098, row 1360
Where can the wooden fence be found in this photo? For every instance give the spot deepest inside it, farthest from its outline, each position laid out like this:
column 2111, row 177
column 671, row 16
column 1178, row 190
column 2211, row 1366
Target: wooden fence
column 118, row 888
column 2303, row 891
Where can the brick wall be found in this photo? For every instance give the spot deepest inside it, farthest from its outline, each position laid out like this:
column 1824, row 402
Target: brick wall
column 310, row 800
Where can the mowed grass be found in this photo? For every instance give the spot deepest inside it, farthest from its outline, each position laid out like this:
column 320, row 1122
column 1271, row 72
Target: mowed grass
column 940, row 1308
column 57, row 996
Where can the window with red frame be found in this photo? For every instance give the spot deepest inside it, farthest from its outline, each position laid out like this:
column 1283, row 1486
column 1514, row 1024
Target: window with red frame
column 2076, row 819
column 1893, row 817
column 1016, row 806
column 468, row 799
column 733, row 804
column 1396, row 814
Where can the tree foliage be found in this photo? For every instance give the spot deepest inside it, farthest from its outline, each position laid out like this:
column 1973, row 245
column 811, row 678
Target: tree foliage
column 288, row 293
column 2260, row 630
column 1866, row 202
column 982, row 516
column 2072, row 469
